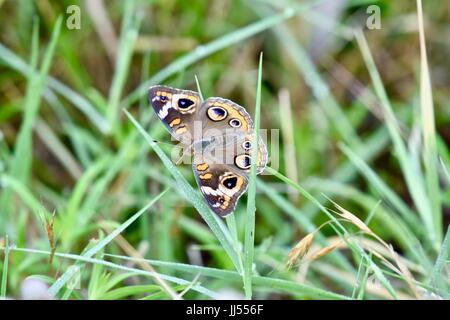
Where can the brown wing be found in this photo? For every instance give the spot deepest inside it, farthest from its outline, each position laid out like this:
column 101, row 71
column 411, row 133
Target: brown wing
column 176, row 109
column 221, row 167
column 220, row 186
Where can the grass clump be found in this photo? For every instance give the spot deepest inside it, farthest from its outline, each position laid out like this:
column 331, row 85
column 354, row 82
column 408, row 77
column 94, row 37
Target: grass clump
column 353, row 204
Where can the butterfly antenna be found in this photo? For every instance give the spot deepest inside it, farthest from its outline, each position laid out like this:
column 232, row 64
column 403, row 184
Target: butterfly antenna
column 166, row 143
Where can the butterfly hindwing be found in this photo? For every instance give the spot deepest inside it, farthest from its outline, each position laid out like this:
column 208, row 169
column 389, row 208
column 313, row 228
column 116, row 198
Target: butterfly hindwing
column 220, row 186
column 221, row 166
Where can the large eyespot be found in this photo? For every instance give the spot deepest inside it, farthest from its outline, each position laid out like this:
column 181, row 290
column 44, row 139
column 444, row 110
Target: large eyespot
column 247, row 145
column 235, row 123
column 243, row 161
column 230, row 183
column 217, row 113
column 184, row 103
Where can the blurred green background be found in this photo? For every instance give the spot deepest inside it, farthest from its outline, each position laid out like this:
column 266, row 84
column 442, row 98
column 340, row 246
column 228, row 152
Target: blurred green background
column 74, row 168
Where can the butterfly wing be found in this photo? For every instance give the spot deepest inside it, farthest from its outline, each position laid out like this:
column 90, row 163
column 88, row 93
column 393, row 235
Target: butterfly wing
column 228, row 128
column 219, row 116
column 220, row 184
column 176, row 109
column 222, row 155
column 221, row 133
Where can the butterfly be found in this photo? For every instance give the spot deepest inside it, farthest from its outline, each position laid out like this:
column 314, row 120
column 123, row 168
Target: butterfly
column 220, row 134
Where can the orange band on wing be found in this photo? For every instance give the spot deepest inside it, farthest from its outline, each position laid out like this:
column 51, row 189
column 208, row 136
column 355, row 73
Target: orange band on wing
column 202, row 167
column 175, row 122
column 205, row 176
column 232, row 113
column 181, row 130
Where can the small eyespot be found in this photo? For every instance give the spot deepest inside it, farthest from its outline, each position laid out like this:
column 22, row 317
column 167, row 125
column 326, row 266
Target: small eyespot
column 243, row 161
column 236, row 123
column 230, row 183
column 247, row 145
column 221, row 200
column 184, row 103
column 163, row 98
column 217, row 113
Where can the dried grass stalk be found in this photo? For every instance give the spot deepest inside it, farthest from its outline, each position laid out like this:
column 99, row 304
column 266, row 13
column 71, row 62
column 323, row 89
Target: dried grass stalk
column 300, row 250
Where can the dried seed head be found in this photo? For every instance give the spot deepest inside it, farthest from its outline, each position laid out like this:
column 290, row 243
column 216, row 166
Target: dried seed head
column 347, row 215
column 300, row 250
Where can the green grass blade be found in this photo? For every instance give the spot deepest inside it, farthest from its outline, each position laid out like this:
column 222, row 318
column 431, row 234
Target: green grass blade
column 218, row 44
column 62, row 280
column 249, row 241
column 199, row 89
column 396, row 226
column 34, row 46
column 102, row 243
column 429, row 152
column 5, row 270
column 216, row 225
column 340, row 230
column 120, row 160
column 304, row 222
column 61, row 152
column 313, row 79
column 22, row 158
column 85, row 259
column 363, row 281
column 145, row 74
column 128, row 291
column 86, row 107
column 346, row 172
column 446, row 171
column 288, row 286
column 15, row 62
column 414, row 179
column 130, row 28
column 384, row 190
column 69, row 220
column 440, row 285
column 26, row 196
column 49, row 53
column 297, row 288
column 232, row 227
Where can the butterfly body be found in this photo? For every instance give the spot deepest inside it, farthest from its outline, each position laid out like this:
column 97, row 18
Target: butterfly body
column 220, row 135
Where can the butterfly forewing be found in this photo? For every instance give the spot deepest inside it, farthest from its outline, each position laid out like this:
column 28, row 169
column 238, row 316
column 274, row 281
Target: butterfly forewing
column 176, row 109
